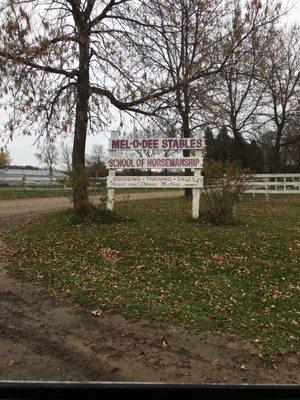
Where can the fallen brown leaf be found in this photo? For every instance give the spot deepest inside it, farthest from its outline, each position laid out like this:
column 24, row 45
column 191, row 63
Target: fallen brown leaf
column 96, row 313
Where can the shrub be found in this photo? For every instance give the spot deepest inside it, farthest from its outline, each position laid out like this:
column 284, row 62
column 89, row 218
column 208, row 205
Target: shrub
column 96, row 212
column 223, row 184
column 94, row 215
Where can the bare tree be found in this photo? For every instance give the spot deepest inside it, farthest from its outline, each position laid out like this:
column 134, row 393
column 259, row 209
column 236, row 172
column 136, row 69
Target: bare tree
column 95, row 162
column 97, row 155
column 4, row 158
column 291, row 151
column 234, row 97
column 64, row 62
column 49, row 156
column 196, row 40
column 66, row 158
column 280, row 77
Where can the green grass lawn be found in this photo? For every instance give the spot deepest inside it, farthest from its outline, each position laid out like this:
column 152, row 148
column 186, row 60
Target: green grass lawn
column 239, row 279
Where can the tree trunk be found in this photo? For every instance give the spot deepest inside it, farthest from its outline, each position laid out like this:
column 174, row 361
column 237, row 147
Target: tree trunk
column 80, row 181
column 239, row 150
column 51, row 172
column 275, row 167
column 275, row 160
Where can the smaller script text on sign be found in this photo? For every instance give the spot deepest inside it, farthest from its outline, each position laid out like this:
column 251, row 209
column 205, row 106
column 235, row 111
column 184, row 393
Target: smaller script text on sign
column 154, row 182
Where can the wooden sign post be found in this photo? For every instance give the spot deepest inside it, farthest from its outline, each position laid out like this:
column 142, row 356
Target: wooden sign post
column 111, row 174
column 115, row 162
column 196, row 192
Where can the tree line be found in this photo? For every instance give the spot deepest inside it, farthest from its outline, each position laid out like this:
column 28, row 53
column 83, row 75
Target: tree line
column 256, row 156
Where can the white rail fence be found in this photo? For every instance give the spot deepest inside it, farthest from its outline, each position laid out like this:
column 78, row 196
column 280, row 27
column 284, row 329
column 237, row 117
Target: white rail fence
column 36, row 181
column 23, row 180
column 258, row 184
column 273, row 184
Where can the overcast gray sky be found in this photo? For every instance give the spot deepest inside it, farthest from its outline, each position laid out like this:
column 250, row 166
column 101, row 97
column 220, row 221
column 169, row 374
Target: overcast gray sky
column 22, row 149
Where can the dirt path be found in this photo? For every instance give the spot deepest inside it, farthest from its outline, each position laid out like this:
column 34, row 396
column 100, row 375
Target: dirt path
column 9, row 208
column 43, row 338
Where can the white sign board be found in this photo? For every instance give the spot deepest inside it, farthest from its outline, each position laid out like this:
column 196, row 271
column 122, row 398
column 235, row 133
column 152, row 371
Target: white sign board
column 117, row 145
column 156, row 144
column 155, row 162
column 154, row 182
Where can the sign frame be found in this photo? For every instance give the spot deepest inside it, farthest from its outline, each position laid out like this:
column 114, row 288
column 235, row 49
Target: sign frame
column 127, row 145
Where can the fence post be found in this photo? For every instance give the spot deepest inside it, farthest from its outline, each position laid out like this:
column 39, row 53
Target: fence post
column 111, row 173
column 267, row 196
column 24, row 182
column 266, row 189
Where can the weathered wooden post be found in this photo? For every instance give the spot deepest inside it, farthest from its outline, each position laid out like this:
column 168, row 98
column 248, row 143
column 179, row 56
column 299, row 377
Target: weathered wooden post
column 111, row 173
column 197, row 174
column 24, row 182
